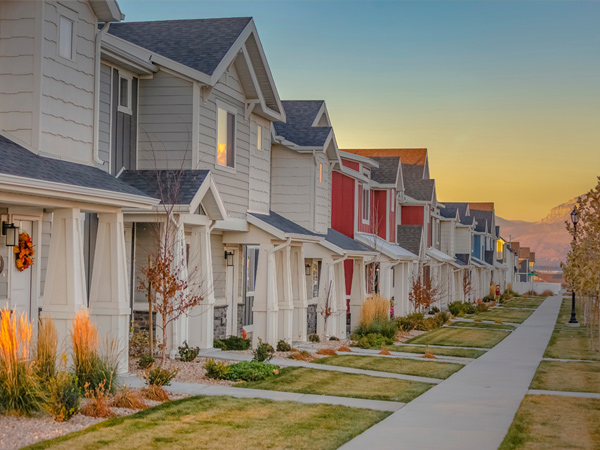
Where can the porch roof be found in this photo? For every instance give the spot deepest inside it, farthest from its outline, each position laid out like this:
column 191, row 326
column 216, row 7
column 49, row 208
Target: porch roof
column 439, row 255
column 479, row 263
column 462, row 259
column 393, row 251
column 409, row 237
column 347, row 244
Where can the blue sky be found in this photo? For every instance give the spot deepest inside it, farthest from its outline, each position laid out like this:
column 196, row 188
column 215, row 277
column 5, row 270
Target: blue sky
column 506, row 95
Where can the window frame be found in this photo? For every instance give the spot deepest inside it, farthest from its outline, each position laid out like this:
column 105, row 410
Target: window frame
column 320, row 173
column 366, row 189
column 63, row 14
column 233, row 111
column 123, row 75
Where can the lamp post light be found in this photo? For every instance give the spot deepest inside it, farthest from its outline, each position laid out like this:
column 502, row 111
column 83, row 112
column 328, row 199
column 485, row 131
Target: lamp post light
column 574, row 218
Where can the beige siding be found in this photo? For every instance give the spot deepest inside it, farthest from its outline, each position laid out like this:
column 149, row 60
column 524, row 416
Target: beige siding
column 462, row 241
column 260, row 167
column 165, row 123
column 45, row 249
column 17, row 48
column 68, row 86
column 448, row 230
column 104, row 119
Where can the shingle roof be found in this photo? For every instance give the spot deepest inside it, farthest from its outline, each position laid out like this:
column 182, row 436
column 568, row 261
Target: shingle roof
column 467, row 220
column 463, row 259
column 450, row 208
column 387, row 171
column 344, row 242
column 412, row 171
column 484, row 220
column 171, row 187
column 419, row 189
column 300, row 115
column 408, row 155
column 17, row 160
column 409, row 237
column 282, row 224
column 197, row 43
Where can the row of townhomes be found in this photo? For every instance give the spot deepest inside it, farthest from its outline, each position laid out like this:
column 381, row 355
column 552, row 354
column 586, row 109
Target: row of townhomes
column 113, row 132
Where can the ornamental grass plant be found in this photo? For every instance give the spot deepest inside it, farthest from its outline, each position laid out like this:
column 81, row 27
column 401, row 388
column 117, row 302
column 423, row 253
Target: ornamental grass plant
column 20, row 391
column 375, row 309
column 46, row 349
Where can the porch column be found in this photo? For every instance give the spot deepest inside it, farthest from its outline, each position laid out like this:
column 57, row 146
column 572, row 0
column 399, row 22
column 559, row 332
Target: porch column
column 386, row 279
column 65, row 290
column 201, row 320
column 286, row 297
column 358, row 293
column 265, row 307
column 340, row 295
column 109, row 293
column 179, row 327
column 300, row 297
column 400, row 290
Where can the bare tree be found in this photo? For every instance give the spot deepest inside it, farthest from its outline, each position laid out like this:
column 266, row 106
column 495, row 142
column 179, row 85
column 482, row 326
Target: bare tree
column 424, row 290
column 467, row 285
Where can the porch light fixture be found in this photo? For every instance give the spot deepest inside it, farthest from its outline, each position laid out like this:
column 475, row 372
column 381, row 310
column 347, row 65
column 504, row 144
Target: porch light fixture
column 574, row 218
column 12, row 234
column 307, row 270
column 229, row 258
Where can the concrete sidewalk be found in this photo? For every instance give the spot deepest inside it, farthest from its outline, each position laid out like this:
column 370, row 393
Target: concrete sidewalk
column 217, row 390
column 474, row 408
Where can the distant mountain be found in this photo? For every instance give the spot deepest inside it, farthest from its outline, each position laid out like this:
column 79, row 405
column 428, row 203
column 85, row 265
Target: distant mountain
column 548, row 237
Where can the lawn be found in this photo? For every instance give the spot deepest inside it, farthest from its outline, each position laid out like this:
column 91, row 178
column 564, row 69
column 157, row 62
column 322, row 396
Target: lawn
column 461, row 337
column 458, row 352
column 521, row 302
column 553, row 422
column 225, row 423
column 493, row 326
column 570, row 342
column 573, row 376
column 325, row 382
column 504, row 314
column 420, row 368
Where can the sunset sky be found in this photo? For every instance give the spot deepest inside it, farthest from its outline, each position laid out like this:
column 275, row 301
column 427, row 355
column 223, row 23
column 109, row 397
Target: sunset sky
column 505, row 95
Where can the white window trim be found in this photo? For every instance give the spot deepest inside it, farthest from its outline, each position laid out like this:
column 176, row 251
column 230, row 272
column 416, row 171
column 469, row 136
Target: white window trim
column 362, row 213
column 129, row 77
column 233, row 110
column 73, row 17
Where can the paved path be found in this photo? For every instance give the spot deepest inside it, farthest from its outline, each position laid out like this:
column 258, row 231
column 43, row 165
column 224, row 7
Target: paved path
column 294, row 363
column 474, row 408
column 564, row 393
column 217, row 390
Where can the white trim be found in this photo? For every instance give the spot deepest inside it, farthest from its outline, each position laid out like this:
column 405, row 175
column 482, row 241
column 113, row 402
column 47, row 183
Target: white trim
column 359, row 158
column 71, row 16
column 125, row 75
column 362, row 213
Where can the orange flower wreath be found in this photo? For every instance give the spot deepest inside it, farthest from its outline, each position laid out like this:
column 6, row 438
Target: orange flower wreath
column 24, row 252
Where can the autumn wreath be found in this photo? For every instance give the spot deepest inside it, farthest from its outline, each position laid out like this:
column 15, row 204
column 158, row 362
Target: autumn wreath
column 24, row 252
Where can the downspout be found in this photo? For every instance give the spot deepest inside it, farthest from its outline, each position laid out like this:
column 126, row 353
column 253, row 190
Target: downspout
column 99, row 35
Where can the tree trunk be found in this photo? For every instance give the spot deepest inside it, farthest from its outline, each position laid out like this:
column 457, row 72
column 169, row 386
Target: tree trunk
column 163, row 348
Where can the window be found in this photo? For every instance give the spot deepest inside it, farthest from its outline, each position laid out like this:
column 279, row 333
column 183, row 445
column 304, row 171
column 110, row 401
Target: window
column 125, row 94
column 366, row 200
column 251, row 267
column 65, row 37
column 258, row 137
column 321, row 173
column 393, row 199
column 225, row 138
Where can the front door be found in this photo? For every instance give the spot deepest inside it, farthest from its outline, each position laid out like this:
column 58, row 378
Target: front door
column 20, row 283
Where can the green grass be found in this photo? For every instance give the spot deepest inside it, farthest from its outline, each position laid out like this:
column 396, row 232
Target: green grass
column 552, row 422
column 461, row 337
column 325, row 382
column 521, row 302
column 504, row 314
column 224, row 423
column 458, row 352
column 423, row 368
column 571, row 376
column 570, row 342
column 492, row 326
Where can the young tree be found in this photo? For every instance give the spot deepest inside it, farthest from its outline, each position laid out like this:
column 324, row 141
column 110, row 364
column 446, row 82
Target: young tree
column 424, row 290
column 467, row 285
column 324, row 307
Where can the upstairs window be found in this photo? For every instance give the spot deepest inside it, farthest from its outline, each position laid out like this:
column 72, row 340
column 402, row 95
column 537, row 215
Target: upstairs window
column 258, row 137
column 125, row 94
column 320, row 172
column 225, row 138
column 366, row 203
column 66, row 28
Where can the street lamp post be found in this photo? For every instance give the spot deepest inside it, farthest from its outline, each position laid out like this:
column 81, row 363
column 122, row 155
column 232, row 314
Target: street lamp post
column 574, row 218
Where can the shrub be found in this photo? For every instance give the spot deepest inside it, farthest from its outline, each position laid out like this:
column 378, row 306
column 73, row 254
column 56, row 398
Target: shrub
column 160, row 377
column 481, row 307
column 139, row 341
column 468, row 308
column 547, row 293
column 128, row 398
column 301, row 356
column 20, row 391
column 442, row 318
column 489, row 298
column 232, row 343
column 434, row 310
column 314, row 337
column 283, row 346
column 264, row 352
column 251, row 371
column 326, row 351
column 216, row 370
column 373, row 340
column 47, row 343
column 97, row 404
column 187, row 353
column 410, row 322
column 386, row 328
column 333, row 338
column 455, row 307
column 156, row 393
column 65, row 396
column 145, row 361
column 375, row 308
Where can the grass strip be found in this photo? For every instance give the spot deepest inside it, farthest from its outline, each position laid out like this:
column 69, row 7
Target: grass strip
column 461, row 337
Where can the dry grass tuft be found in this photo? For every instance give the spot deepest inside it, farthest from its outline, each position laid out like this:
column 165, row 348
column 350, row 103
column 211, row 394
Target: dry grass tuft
column 302, row 356
column 326, row 352
column 478, row 320
column 84, row 338
column 384, row 351
column 344, row 348
column 97, row 403
column 46, row 349
column 374, row 308
column 128, row 398
column 156, row 393
column 428, row 354
column 498, row 321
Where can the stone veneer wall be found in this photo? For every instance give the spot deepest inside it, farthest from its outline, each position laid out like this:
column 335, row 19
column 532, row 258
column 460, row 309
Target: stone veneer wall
column 220, row 322
column 311, row 319
column 140, row 320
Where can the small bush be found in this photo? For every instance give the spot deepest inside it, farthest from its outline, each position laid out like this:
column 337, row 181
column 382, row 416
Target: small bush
column 156, row 393
column 301, row 356
column 489, row 298
column 442, row 318
column 455, row 308
column 139, row 341
column 264, row 352
column 374, row 340
column 283, row 346
column 547, row 293
column 216, row 370
column 374, row 309
column 481, row 307
column 97, row 404
column 314, row 337
column 128, row 398
column 333, row 338
column 232, row 343
column 410, row 322
column 384, row 351
column 498, row 321
column 468, row 308
column 187, row 353
column 434, row 310
column 251, row 371
column 160, row 377
column 326, row 352
column 65, row 396
column 145, row 361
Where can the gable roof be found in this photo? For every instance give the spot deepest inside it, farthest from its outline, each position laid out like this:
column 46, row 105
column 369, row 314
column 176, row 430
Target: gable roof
column 420, row 189
column 298, row 127
column 413, row 171
column 409, row 237
column 484, row 220
column 171, row 187
column 389, row 249
column 282, row 224
column 197, row 43
column 345, row 243
column 387, row 172
column 408, row 155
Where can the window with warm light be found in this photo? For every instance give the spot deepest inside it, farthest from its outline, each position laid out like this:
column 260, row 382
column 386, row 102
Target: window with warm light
column 321, row 173
column 225, row 138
